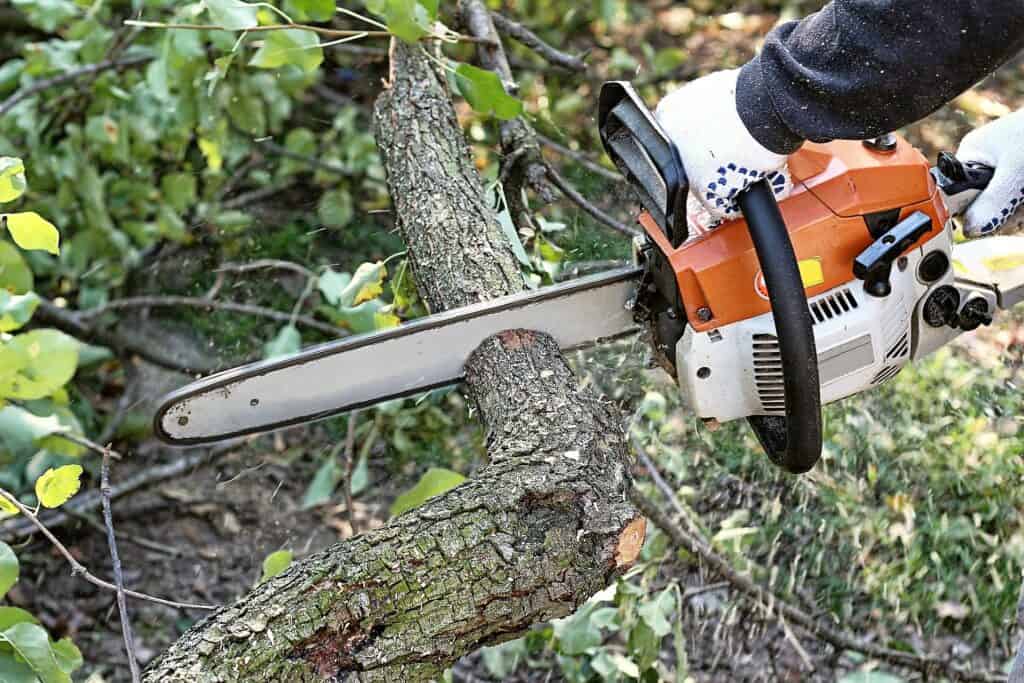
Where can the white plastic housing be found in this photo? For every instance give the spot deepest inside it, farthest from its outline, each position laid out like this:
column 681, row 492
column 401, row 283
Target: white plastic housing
column 862, row 341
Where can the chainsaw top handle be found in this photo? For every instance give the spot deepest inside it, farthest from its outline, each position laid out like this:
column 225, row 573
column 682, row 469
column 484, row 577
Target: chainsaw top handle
column 651, row 163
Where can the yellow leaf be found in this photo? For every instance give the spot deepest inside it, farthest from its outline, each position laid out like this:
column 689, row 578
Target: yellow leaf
column 32, row 231
column 12, row 179
column 7, row 508
column 57, row 486
column 211, row 150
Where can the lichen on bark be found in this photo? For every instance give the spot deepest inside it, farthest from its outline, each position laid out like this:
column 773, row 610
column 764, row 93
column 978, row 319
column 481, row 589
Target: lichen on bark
column 541, row 528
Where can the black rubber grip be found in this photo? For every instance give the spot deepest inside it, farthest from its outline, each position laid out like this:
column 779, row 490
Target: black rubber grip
column 793, row 442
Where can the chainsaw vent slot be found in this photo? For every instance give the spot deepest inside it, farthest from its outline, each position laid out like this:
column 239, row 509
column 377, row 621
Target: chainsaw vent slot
column 900, row 348
column 886, row 374
column 832, row 306
column 771, row 389
column 715, row 335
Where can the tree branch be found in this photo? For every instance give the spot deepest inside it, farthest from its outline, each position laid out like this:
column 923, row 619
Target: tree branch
column 537, row 531
column 67, row 321
column 522, row 166
column 53, row 82
column 531, row 40
column 209, row 305
column 573, row 195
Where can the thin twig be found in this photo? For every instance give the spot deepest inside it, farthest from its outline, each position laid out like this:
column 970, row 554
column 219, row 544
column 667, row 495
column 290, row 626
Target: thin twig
column 265, row 264
column 582, row 159
column 206, row 304
column 350, row 446
column 90, row 444
column 46, row 84
column 257, row 195
column 77, row 568
column 115, row 563
column 320, row 30
column 573, row 195
column 535, row 43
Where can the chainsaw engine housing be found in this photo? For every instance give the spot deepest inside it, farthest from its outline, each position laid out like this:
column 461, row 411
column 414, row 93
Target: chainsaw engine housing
column 847, row 198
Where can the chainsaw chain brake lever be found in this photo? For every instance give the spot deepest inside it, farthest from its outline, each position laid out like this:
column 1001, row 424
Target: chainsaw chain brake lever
column 960, row 182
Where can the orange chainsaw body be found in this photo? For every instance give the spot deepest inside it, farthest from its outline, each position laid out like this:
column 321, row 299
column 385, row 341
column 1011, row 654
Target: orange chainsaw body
column 837, row 187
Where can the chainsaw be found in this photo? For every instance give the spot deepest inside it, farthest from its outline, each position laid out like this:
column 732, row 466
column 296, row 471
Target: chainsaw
column 799, row 303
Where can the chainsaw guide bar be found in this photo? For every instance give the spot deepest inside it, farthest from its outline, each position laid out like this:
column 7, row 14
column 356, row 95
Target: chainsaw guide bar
column 362, row 370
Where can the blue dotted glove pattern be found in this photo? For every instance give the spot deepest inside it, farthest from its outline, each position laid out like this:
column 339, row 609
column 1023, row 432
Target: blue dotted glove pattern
column 731, row 180
column 1004, row 216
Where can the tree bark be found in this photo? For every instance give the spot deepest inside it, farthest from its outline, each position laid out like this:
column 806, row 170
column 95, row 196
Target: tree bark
column 542, row 527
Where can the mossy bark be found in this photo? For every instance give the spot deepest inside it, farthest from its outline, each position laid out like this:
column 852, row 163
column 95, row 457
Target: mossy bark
column 542, row 527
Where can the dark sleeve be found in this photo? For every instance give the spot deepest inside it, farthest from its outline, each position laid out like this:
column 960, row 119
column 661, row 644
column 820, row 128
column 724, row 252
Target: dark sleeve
column 861, row 68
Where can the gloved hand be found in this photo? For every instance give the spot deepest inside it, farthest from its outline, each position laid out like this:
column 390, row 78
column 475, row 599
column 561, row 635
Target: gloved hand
column 999, row 144
column 720, row 156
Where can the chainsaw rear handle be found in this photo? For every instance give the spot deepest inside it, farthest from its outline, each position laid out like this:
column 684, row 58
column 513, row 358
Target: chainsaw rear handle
column 651, row 163
column 792, row 442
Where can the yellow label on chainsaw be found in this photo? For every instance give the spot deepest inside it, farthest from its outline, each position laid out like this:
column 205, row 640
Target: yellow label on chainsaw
column 959, row 268
column 811, row 272
column 998, row 264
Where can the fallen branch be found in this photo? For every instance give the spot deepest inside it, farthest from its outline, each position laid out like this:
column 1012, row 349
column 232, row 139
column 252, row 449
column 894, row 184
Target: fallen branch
column 49, row 313
column 208, row 305
column 78, row 568
column 17, row 527
column 47, row 83
column 531, row 40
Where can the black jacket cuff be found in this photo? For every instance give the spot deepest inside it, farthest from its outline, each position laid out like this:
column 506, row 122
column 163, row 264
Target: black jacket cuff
column 757, row 111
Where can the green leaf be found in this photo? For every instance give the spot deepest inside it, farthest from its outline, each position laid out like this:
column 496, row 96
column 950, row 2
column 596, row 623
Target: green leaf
column 409, row 20
column 368, row 316
column 12, row 179
column 366, row 284
column 46, row 362
column 485, row 93
column 323, row 484
column 9, row 616
column 8, row 568
column 16, row 310
column 15, row 275
column 285, row 343
column 290, row 46
column 179, row 190
column 361, row 475
column 20, row 430
column 434, row 482
column 275, row 563
column 32, row 645
column 309, row 10
column 15, row 671
column 331, row 284
column 31, row 231
column 336, row 209
column 57, row 486
column 576, row 634
column 656, row 612
column 232, row 14
column 69, row 657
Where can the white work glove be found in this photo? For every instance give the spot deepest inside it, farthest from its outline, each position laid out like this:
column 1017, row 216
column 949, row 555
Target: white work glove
column 720, row 156
column 999, row 144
